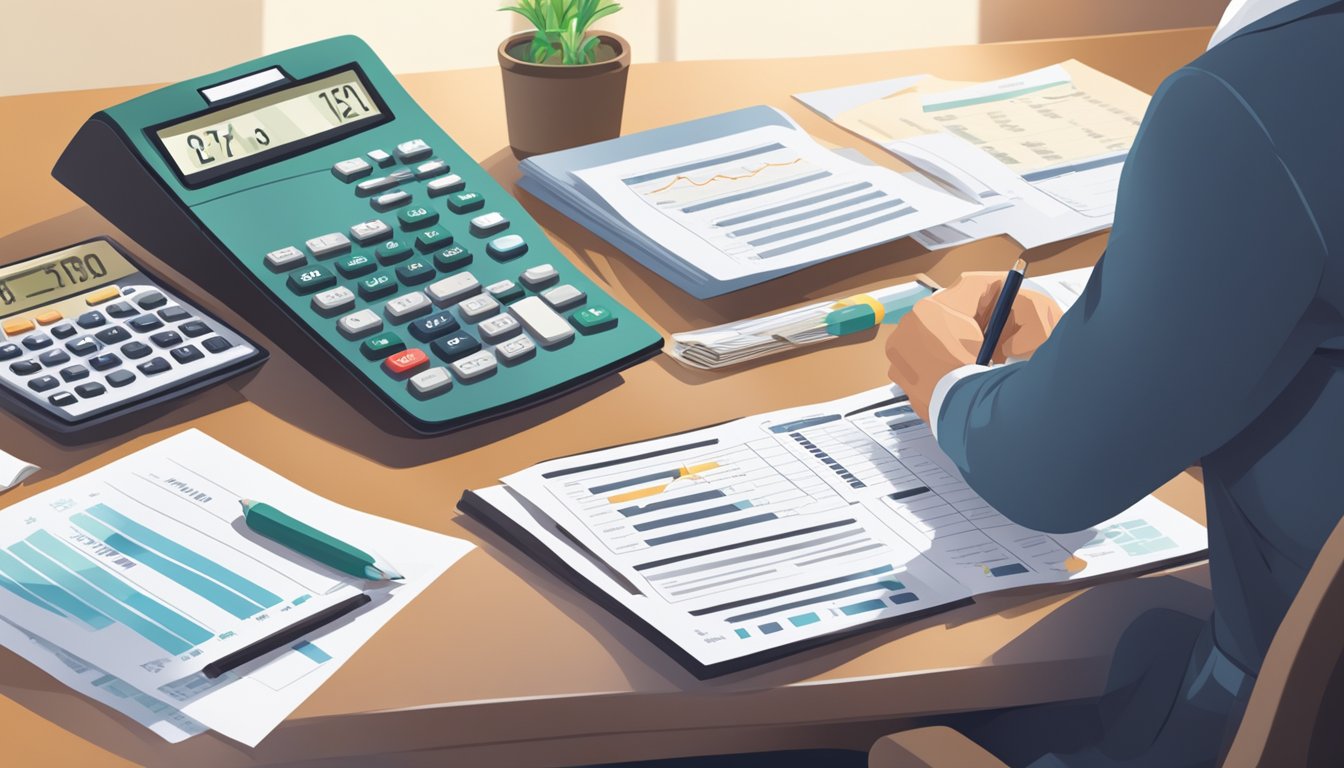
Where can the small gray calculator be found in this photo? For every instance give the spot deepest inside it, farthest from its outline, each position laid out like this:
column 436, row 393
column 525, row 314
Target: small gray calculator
column 86, row 335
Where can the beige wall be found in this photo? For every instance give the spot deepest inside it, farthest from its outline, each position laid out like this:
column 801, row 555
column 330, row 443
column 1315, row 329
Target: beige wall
column 124, row 42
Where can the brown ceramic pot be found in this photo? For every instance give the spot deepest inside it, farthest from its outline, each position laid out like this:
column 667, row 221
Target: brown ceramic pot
column 557, row 106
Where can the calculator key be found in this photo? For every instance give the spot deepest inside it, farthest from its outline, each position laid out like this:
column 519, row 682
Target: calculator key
column 389, row 200
column 593, row 318
column 43, row 383
column 63, row 331
column 488, row 224
column 412, row 150
column 15, row 327
column 477, row 308
column 10, row 351
column 165, row 339
column 187, row 354
column 506, row 247
column 515, row 350
column 197, row 328
column 74, row 373
column 446, row 185
column 401, row 177
column 124, row 309
column 330, row 302
column 106, row 293
column 49, row 317
column 53, row 357
column 427, row 329
column 62, row 399
column 433, row 238
column 120, row 378
column 114, row 335
column 355, row 265
column 476, row 366
column 349, row 170
column 310, row 280
column 25, row 367
column 394, row 251
column 91, row 320
column 452, row 258
column 431, row 382
column 91, row 389
column 37, row 341
column 505, row 291
column 466, row 202
column 405, row 361
column 494, row 329
column 564, row 296
column 173, row 314
column 284, row 259
column 136, row 350
column 417, row 217
column 358, row 324
column 154, row 366
column 375, row 185
column 330, row 244
column 415, row 272
column 451, row 290
column 406, row 306
column 431, row 169
column 380, row 346
column 381, row 158
column 458, row 345
column 216, row 344
column 151, row 300
column 145, row 323
column 377, row 286
column 541, row 321
column 104, row 362
column 368, row 231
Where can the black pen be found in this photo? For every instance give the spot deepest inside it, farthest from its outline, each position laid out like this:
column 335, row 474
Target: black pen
column 1002, row 308
column 285, row 636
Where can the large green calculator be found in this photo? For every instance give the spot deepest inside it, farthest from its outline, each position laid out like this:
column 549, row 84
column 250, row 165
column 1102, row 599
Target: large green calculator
column 313, row 175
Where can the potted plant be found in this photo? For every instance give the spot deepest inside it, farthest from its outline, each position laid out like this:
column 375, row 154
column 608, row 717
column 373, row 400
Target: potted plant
column 563, row 85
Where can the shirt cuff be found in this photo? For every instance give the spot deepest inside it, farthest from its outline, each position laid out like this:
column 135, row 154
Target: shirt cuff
column 945, row 385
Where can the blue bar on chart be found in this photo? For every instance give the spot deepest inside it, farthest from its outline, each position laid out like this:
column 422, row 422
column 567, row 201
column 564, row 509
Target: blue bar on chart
column 671, row 474
column 903, row 597
column 13, row 587
column 825, row 458
column 690, row 498
column 866, row 606
column 51, row 593
column 313, row 652
column 804, row 619
column 1008, row 570
column 770, row 628
column 722, row 509
column 707, row 530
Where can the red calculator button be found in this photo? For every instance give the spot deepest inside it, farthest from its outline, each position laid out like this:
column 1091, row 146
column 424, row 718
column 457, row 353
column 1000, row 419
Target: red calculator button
column 408, row 360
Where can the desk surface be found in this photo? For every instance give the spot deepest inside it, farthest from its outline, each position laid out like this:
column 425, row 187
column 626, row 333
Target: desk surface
column 509, row 665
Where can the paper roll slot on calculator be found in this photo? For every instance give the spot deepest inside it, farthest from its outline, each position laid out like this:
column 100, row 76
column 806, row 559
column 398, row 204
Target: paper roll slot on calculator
column 86, row 335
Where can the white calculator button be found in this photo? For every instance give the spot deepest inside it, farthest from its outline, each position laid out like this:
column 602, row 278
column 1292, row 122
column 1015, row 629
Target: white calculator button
column 377, row 184
column 285, row 258
column 367, row 231
column 333, row 301
column 478, row 307
column 391, row 200
column 430, row 169
column 412, row 150
column 360, row 323
column 495, row 328
column 506, row 247
column 451, row 289
column 474, row 366
column 381, row 158
column 541, row 321
column 349, row 170
column 515, row 349
column 431, row 382
column 563, row 296
column 539, row 275
column 501, row 288
column 446, row 184
column 406, row 306
column 488, row 224
column 328, row 245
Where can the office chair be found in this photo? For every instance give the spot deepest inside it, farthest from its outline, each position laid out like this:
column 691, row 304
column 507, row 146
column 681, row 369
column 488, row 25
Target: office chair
column 1294, row 715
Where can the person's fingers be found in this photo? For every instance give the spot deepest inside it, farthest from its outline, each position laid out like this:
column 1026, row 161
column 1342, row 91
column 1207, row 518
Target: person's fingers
column 967, row 292
column 957, row 333
column 1033, row 319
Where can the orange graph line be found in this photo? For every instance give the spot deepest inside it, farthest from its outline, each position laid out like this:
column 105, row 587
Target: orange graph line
column 721, row 177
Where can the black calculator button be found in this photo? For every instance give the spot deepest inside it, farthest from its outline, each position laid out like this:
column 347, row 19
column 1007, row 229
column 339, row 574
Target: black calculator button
column 63, row 331
column 43, row 383
column 37, row 341
column 165, row 339
column 377, row 286
column 121, row 309
column 92, row 389
column 114, row 335
column 25, row 367
column 91, row 320
column 186, row 354
column 194, row 328
column 432, row 239
column 120, row 378
column 458, row 345
column 173, row 314
column 62, row 399
column 74, row 373
column 415, row 272
column 53, row 357
column 145, row 323
column 136, row 350
column 151, row 300
column 311, row 280
column 453, row 258
column 153, row 366
column 394, row 251
column 83, row 346
column 355, row 265
column 427, row 329
column 216, row 345
column 103, row 362
column 10, row 351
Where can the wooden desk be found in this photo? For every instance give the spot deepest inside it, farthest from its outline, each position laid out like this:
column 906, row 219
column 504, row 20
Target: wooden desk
column 498, row 663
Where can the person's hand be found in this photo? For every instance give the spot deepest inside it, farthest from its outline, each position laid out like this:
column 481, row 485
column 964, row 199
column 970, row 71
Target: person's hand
column 943, row 332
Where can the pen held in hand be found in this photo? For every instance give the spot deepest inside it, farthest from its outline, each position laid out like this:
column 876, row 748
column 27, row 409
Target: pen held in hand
column 307, row 540
column 1003, row 308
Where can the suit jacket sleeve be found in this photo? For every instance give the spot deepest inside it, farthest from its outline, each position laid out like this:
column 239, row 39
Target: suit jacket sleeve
column 1194, row 320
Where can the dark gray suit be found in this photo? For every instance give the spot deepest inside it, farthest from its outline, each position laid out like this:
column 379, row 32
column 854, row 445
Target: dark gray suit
column 1212, row 331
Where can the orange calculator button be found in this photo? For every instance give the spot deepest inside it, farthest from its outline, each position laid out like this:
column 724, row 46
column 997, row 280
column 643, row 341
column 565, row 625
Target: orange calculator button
column 47, row 318
column 103, row 294
column 18, row 326
column 406, row 361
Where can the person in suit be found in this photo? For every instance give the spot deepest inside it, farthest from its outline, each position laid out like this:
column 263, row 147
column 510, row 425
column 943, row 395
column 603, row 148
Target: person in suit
column 1211, row 332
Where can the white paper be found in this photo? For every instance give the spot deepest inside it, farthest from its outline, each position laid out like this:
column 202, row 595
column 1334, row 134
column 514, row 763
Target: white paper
column 13, row 470
column 830, row 103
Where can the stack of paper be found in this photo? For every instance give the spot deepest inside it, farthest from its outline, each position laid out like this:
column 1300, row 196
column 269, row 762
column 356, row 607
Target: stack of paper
column 729, row 201
column 125, row 583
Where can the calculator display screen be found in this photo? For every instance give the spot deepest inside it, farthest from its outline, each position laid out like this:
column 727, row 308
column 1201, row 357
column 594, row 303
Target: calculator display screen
column 334, row 104
column 52, row 277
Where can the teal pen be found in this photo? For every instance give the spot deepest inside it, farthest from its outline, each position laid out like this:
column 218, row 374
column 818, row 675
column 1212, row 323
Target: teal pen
column 307, row 540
